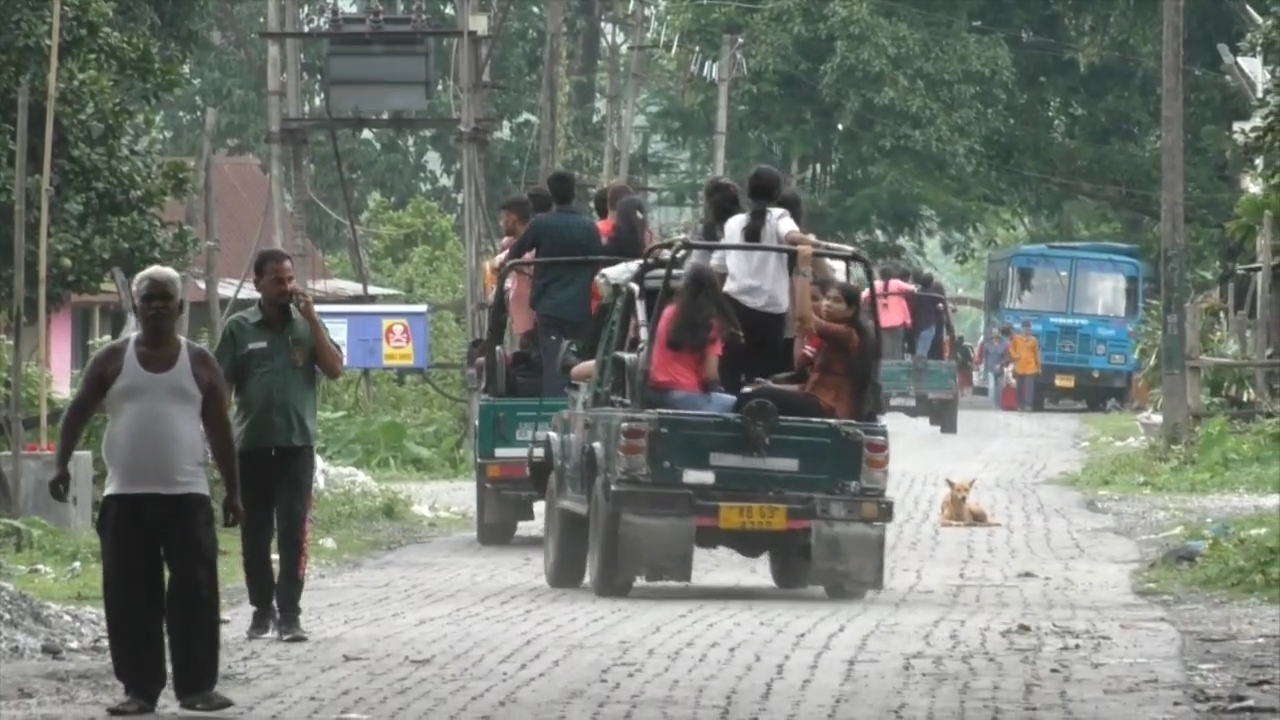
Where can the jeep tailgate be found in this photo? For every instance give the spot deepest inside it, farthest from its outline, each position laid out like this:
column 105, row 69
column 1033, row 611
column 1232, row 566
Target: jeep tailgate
column 508, row 425
column 802, row 455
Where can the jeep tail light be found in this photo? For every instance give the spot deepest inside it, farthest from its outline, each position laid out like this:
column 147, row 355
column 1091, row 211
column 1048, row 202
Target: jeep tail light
column 633, row 448
column 875, row 463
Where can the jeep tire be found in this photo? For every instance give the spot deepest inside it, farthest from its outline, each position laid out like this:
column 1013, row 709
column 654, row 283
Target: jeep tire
column 564, row 543
column 605, row 571
column 488, row 531
column 789, row 567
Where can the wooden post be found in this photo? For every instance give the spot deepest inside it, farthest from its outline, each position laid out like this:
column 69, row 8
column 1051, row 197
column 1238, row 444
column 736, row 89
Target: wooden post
column 46, row 192
column 1195, row 400
column 552, row 56
column 21, row 144
column 212, row 246
column 1262, row 332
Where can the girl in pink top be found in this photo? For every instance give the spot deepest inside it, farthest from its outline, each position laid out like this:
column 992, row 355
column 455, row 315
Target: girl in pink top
column 895, row 314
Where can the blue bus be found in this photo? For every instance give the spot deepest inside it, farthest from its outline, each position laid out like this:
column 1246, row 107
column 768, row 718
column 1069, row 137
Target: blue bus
column 1084, row 301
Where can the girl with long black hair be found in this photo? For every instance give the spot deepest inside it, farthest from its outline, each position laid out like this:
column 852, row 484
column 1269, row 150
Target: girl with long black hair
column 630, row 229
column 757, row 286
column 683, row 372
column 841, row 381
column 721, row 200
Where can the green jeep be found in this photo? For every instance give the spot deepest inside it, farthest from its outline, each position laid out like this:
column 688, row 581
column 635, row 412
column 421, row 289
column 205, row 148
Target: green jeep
column 922, row 388
column 635, row 489
column 510, row 415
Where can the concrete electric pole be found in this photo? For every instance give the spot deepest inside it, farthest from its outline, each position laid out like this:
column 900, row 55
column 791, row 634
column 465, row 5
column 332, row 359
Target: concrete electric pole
column 552, row 58
column 724, row 75
column 297, row 142
column 1173, row 264
column 275, row 154
column 635, row 48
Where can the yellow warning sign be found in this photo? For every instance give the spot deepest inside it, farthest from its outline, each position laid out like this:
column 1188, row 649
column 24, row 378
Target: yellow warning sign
column 397, row 343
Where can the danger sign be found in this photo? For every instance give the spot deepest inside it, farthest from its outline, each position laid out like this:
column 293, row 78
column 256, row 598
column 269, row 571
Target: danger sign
column 397, row 343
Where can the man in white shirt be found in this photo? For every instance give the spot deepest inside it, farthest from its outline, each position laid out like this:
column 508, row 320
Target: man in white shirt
column 163, row 397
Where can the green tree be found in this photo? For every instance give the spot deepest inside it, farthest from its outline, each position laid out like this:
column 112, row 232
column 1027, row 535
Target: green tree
column 109, row 181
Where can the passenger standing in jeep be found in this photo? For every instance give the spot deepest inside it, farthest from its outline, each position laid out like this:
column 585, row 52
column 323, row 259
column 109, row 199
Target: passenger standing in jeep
column 561, row 297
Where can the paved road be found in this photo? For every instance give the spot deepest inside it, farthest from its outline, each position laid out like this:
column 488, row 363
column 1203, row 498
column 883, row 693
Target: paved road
column 1034, row 619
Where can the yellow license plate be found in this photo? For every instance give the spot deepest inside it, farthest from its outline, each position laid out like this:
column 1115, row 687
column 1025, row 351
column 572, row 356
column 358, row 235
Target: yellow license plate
column 753, row 517
column 1064, row 381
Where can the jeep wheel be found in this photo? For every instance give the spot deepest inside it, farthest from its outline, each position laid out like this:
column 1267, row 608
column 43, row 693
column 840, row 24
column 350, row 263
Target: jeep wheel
column 845, row 591
column 948, row 416
column 491, row 532
column 606, row 579
column 564, row 544
column 789, row 568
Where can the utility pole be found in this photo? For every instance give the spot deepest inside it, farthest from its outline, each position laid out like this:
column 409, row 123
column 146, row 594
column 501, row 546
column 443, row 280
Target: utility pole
column 275, row 161
column 46, row 195
column 724, row 74
column 549, row 146
column 634, row 48
column 611, row 95
column 14, row 481
column 1173, row 271
column 297, row 141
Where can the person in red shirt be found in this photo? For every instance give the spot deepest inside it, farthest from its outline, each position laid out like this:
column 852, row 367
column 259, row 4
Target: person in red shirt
column 613, row 195
column 687, row 344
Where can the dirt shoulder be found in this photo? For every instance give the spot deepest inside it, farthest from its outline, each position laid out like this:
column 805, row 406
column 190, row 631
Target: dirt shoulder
column 1231, row 641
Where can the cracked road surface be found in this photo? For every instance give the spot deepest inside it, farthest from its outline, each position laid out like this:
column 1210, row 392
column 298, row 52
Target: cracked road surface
column 1033, row 619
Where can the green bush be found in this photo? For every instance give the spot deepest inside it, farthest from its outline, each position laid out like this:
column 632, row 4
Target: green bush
column 1221, row 457
column 1243, row 559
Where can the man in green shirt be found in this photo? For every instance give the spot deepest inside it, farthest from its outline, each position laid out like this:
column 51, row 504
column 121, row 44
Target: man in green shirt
column 271, row 355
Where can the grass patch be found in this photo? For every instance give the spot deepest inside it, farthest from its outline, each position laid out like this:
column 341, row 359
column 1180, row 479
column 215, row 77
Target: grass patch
column 1241, row 560
column 1221, row 458
column 347, row 524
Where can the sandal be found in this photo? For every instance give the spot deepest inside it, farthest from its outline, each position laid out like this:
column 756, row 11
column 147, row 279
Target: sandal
column 211, row 701
column 131, row 706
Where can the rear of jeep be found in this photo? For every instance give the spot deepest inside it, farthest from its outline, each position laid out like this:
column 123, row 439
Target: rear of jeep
column 808, row 493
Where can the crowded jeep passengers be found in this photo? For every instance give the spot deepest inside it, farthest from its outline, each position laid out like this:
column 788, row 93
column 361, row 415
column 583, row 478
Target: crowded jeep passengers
column 770, row 324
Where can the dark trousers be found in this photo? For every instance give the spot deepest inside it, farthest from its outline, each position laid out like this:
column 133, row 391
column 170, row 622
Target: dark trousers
column 275, row 489
column 759, row 354
column 790, row 403
column 141, row 535
column 553, row 333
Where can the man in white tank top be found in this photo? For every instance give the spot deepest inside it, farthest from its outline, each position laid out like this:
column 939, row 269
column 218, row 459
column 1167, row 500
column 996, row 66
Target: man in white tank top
column 163, row 397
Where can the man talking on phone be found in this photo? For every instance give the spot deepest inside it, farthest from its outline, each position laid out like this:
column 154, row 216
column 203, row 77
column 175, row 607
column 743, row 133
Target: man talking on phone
column 271, row 355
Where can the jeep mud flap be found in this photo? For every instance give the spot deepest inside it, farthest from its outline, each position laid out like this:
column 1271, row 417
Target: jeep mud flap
column 656, row 548
column 847, row 552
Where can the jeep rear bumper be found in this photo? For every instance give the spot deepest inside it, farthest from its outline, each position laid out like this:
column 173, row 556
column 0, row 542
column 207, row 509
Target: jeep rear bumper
column 703, row 506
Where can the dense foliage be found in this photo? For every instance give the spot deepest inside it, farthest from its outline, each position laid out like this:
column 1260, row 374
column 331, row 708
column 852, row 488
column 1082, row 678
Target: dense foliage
column 118, row 61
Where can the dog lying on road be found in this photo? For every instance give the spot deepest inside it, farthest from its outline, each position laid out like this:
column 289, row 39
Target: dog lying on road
column 959, row 511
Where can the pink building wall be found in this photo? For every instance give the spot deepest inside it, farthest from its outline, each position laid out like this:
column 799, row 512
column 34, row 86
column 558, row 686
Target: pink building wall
column 60, row 337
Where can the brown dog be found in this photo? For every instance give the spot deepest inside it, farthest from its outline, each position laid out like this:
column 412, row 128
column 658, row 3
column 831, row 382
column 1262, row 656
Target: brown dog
column 959, row 510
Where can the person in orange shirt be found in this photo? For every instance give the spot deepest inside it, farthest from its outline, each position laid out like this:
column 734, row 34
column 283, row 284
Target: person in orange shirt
column 1025, row 351
column 613, row 195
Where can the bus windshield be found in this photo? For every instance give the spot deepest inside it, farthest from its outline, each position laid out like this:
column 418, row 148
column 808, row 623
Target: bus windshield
column 1105, row 288
column 1038, row 284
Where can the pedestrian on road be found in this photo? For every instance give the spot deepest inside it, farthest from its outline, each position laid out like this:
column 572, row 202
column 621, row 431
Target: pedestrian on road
column 270, row 354
column 1025, row 351
column 964, row 364
column 993, row 358
column 561, row 297
column 163, row 397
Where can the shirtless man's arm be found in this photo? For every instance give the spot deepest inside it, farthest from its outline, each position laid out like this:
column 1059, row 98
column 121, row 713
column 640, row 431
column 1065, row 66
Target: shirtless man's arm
column 102, row 372
column 217, row 429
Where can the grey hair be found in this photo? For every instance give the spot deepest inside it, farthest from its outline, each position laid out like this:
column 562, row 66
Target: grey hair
column 162, row 274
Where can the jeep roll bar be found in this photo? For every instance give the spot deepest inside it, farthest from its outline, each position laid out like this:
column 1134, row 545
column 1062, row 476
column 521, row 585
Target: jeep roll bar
column 679, row 251
column 498, row 314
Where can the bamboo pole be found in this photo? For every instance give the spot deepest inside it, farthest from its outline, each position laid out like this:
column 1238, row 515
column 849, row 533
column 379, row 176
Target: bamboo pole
column 46, row 190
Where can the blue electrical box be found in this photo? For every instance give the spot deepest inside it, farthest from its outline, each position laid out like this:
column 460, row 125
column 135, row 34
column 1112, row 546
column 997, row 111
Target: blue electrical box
column 380, row 337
